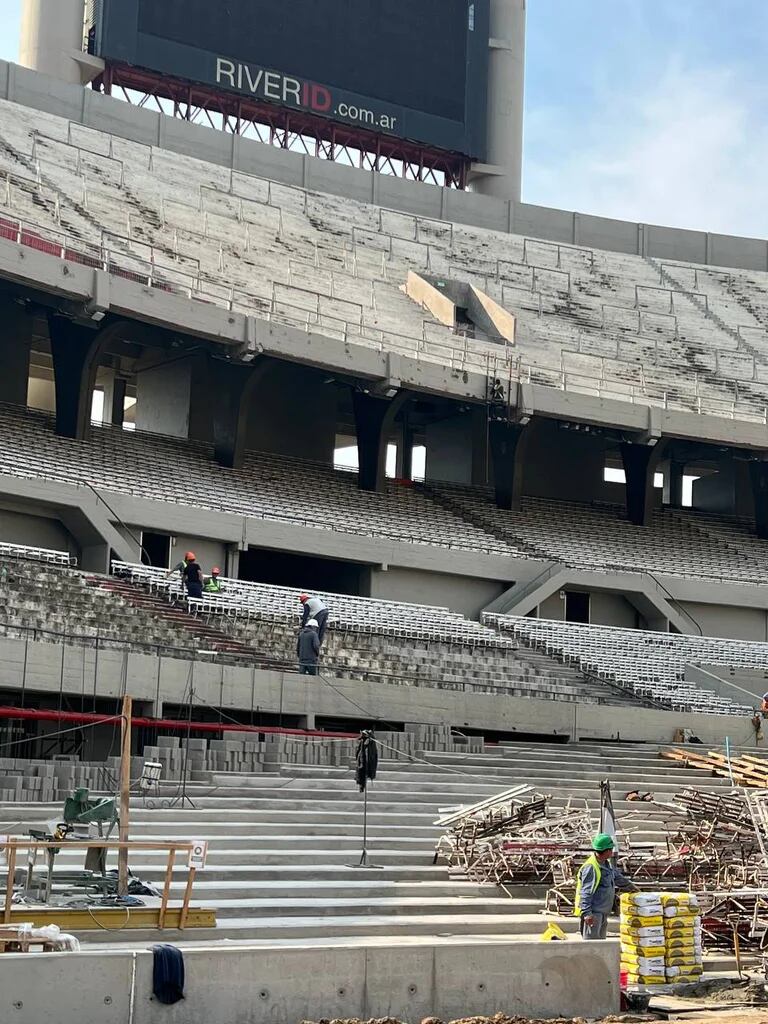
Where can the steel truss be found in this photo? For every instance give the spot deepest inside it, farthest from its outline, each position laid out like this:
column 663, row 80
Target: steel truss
column 297, row 131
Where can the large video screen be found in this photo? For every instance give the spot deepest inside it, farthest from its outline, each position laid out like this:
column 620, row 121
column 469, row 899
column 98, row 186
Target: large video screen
column 415, row 69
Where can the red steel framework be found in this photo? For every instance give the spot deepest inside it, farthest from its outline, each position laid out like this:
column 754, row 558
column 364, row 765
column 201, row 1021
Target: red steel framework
column 286, row 129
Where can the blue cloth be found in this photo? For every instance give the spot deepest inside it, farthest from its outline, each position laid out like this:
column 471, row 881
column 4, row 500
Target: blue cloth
column 167, row 973
column 601, row 900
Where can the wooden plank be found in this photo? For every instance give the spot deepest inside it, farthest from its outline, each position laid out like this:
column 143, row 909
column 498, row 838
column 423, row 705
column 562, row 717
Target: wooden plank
column 187, row 894
column 112, row 918
column 9, row 883
column 166, row 888
column 125, row 794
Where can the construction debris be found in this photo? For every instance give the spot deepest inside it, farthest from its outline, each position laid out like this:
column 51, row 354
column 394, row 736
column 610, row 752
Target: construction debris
column 744, row 770
column 514, row 837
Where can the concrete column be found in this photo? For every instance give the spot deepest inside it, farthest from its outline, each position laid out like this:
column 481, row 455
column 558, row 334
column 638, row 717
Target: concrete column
column 76, row 351
column 15, row 345
column 374, row 417
column 51, row 33
column 232, row 389
column 508, row 442
column 673, row 483
column 501, row 175
column 162, row 397
column 116, row 411
column 404, row 463
column 640, row 462
column 758, row 472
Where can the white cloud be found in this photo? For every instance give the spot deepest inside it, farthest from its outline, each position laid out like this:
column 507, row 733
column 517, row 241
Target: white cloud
column 691, row 151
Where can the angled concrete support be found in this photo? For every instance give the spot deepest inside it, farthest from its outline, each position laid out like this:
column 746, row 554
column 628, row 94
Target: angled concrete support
column 233, row 386
column 758, row 473
column 640, row 463
column 76, row 351
column 374, row 417
column 15, row 344
column 508, row 442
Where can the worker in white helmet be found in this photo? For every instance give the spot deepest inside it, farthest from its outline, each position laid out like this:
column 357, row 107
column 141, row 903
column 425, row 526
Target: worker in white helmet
column 308, row 648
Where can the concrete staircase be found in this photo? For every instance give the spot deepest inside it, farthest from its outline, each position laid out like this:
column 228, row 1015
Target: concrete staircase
column 283, row 846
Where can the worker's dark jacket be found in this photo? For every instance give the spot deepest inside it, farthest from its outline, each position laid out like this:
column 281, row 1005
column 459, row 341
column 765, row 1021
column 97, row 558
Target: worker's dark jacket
column 308, row 646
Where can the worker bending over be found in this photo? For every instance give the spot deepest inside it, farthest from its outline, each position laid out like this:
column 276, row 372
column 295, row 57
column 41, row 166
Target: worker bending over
column 308, row 648
column 315, row 609
column 596, row 885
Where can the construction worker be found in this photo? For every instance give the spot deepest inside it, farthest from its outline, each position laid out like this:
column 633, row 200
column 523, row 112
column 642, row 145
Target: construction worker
column 192, row 575
column 596, row 885
column 308, row 648
column 315, row 609
column 213, row 584
column 181, row 566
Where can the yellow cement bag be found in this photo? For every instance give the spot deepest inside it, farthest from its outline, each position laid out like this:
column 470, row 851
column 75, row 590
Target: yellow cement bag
column 685, row 973
column 679, row 899
column 640, row 903
column 646, row 936
column 672, row 960
column 682, row 949
column 643, row 965
column 680, row 927
column 641, row 921
column 684, row 912
column 630, row 950
column 646, row 979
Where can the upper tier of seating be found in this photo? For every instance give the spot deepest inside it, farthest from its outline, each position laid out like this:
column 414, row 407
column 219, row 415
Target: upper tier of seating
column 589, row 321
column 599, row 536
column 267, row 487
column 651, row 664
column 439, row 515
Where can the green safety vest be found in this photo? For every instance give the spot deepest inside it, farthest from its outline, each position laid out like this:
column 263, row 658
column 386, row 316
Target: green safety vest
column 595, row 863
column 213, row 586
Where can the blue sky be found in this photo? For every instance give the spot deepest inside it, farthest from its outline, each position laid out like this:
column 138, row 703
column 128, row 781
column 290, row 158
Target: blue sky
column 651, row 110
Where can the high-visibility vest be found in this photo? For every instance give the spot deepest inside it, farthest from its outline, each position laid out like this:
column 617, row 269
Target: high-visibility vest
column 213, row 586
column 595, row 863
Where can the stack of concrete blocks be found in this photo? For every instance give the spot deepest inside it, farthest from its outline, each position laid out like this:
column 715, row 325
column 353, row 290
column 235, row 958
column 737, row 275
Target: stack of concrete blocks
column 36, row 781
column 440, row 739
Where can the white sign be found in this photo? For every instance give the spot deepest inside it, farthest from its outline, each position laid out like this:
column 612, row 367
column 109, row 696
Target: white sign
column 198, row 854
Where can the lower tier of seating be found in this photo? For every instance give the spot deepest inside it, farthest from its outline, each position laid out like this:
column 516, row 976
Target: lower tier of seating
column 650, row 664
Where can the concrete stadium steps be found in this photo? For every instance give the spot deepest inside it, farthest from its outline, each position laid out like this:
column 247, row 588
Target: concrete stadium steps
column 284, row 845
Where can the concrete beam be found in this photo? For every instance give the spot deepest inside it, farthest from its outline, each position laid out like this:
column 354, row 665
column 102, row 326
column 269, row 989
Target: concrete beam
column 507, row 442
column 640, row 462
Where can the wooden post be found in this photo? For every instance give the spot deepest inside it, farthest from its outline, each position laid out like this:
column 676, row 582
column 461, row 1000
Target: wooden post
column 166, row 887
column 11, row 850
column 125, row 795
column 187, row 894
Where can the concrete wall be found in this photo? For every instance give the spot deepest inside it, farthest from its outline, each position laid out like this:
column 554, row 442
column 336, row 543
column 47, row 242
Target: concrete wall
column 155, row 681
column 18, row 527
column 456, row 448
column 563, row 463
column 162, row 398
column 459, row 593
column 728, row 491
column 284, row 986
column 209, row 552
column 32, row 89
column 611, row 610
column 294, row 413
column 727, row 621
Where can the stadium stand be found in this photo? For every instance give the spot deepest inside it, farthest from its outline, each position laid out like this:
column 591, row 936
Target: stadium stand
column 411, row 644
column 598, row 535
column 651, row 664
column 587, row 320
column 267, row 487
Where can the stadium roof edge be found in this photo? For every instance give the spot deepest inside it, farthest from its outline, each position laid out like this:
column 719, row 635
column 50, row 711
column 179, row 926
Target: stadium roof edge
column 87, row 107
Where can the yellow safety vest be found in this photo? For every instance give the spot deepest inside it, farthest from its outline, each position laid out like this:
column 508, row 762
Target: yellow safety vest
column 595, row 863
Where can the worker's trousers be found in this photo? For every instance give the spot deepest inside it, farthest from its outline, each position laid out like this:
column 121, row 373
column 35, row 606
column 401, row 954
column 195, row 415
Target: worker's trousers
column 322, row 623
column 597, row 930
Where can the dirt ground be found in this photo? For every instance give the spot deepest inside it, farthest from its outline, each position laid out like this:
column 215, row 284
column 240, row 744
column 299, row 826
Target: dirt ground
column 757, row 1015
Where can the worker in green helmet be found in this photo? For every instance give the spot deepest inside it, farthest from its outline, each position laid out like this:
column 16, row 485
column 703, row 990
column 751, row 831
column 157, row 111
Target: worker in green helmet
column 596, row 884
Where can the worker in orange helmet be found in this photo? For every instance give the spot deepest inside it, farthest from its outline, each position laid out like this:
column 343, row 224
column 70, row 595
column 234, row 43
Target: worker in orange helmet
column 213, row 584
column 192, row 575
column 314, row 608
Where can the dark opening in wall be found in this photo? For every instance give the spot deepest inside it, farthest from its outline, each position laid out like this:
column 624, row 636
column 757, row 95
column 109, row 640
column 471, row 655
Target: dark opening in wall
column 156, row 549
column 576, row 606
column 281, row 568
